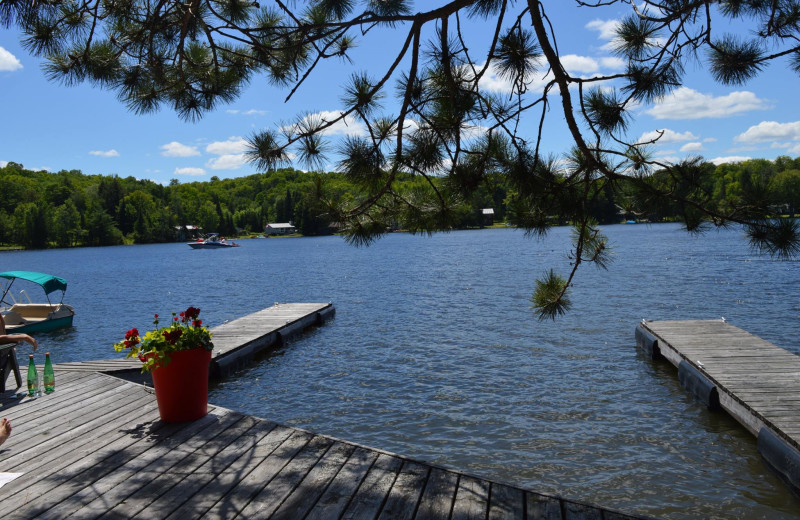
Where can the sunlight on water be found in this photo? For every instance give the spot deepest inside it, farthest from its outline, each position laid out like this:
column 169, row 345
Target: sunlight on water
column 435, row 354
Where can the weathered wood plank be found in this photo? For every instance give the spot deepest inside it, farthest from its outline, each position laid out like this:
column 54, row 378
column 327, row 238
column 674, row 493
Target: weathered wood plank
column 144, row 481
column 314, row 485
column 542, row 507
column 333, row 502
column 252, row 480
column 437, row 499
column 118, row 486
column 406, row 492
column 268, row 498
column 184, row 483
column 368, row 498
column 506, row 503
column 472, row 499
column 213, row 492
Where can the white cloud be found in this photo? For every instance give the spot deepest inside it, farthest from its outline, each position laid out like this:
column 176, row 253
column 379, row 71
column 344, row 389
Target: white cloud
column 234, row 145
column 795, row 149
column 176, row 149
column 575, row 63
column 692, row 147
column 685, row 103
column 107, row 153
column 613, row 63
column 251, row 112
column 189, row 171
column 8, row 62
column 607, row 29
column 347, row 126
column 729, row 159
column 585, row 65
column 3, row 164
column 227, row 162
column 667, row 136
column 770, row 131
column 710, row 140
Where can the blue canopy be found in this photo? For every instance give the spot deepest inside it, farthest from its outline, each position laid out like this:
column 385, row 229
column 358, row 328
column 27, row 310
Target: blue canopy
column 48, row 282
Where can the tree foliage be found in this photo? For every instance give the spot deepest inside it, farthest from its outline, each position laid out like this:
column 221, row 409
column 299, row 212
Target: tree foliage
column 427, row 112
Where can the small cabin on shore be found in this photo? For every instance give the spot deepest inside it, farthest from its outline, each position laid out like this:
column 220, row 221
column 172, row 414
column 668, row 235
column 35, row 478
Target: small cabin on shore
column 280, row 228
column 487, row 217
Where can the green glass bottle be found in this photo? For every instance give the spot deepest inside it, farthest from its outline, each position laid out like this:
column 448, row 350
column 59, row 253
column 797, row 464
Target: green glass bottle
column 33, row 378
column 49, row 377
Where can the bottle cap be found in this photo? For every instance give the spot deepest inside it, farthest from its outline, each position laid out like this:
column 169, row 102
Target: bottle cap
column 30, row 356
column 47, row 354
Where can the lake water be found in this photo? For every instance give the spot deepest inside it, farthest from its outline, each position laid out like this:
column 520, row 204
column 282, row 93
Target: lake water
column 435, row 354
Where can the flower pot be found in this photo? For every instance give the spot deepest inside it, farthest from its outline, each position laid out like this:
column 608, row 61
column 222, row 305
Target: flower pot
column 182, row 386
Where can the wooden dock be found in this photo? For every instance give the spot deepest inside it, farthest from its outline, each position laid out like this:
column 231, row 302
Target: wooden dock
column 725, row 367
column 96, row 448
column 236, row 343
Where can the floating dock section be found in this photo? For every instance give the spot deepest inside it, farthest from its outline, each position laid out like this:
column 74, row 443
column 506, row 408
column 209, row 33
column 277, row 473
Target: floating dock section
column 237, row 343
column 725, row 367
column 96, row 448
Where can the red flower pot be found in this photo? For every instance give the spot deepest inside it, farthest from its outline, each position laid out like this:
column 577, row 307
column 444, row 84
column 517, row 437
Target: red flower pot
column 182, row 386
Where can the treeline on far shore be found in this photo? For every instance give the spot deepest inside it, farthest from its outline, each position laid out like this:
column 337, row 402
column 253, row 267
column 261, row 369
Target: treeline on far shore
column 41, row 209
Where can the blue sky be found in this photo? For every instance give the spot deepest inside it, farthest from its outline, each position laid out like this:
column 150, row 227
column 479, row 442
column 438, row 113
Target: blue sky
column 46, row 125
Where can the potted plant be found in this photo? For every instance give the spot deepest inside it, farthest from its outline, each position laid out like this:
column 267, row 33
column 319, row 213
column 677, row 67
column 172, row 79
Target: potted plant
column 178, row 356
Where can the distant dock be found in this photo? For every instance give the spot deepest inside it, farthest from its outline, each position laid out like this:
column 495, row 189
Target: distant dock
column 725, row 367
column 96, row 447
column 236, row 343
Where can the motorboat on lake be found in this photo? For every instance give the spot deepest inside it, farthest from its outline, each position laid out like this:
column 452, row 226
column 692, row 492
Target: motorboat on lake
column 212, row 241
column 21, row 316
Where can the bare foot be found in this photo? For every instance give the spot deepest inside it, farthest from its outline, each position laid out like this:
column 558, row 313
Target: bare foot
column 5, row 430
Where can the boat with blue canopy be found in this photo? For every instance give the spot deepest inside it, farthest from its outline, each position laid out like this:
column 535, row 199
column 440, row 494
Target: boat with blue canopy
column 21, row 316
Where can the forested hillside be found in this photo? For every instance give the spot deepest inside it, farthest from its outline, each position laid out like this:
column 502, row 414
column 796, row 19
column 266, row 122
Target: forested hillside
column 40, row 209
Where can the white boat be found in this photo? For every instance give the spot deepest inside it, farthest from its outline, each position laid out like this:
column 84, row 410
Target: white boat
column 22, row 317
column 212, row 241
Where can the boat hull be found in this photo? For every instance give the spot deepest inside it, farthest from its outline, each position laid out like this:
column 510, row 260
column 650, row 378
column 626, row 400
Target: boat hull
column 205, row 245
column 41, row 326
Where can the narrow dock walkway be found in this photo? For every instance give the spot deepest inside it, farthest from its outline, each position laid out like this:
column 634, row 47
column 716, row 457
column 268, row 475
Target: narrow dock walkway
column 755, row 381
column 96, row 447
column 236, row 343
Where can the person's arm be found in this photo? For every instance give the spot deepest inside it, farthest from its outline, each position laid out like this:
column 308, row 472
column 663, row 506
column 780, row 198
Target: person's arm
column 16, row 338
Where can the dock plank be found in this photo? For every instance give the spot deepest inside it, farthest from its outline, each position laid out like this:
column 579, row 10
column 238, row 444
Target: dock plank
column 405, row 493
column 439, row 495
column 472, row 499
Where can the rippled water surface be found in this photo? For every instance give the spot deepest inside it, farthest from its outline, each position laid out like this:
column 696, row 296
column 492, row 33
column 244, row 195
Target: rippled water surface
column 435, row 354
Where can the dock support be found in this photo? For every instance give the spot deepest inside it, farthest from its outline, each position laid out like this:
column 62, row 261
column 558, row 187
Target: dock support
column 781, row 457
column 699, row 385
column 647, row 342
